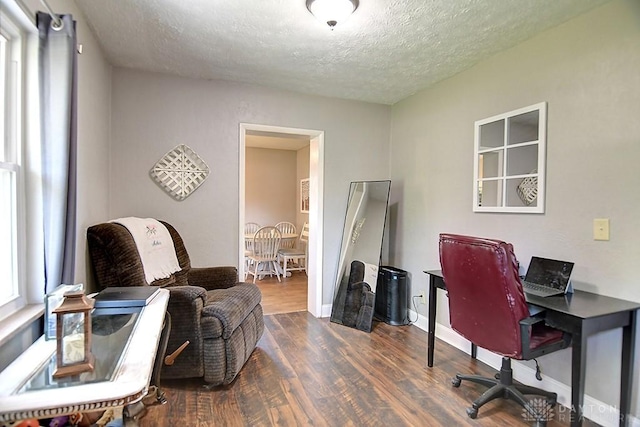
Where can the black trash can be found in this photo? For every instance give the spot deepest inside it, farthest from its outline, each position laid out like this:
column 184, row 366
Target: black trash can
column 392, row 296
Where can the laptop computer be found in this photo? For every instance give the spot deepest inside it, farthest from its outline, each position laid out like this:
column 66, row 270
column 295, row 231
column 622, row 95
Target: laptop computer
column 546, row 277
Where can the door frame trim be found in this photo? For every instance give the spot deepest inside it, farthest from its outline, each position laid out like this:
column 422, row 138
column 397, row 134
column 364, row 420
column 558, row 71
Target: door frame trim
column 316, row 198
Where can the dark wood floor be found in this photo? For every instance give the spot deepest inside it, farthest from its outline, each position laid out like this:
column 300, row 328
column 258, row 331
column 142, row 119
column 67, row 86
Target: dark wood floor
column 308, row 371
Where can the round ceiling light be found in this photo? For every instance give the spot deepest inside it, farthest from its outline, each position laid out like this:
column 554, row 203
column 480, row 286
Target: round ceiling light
column 332, row 12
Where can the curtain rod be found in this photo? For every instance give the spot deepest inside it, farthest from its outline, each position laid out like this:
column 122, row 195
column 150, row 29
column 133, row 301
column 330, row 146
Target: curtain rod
column 57, row 22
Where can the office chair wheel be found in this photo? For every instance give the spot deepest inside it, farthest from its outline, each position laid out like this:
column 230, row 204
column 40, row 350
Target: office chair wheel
column 472, row 412
column 456, row 382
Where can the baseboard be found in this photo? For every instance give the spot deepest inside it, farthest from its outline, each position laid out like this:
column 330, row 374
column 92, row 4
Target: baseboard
column 419, row 320
column 602, row 413
column 326, row 310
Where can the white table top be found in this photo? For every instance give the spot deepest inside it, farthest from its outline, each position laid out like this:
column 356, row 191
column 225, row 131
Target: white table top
column 128, row 384
column 283, row 236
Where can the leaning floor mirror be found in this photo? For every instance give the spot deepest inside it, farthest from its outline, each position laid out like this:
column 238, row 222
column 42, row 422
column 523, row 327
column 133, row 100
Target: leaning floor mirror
column 360, row 253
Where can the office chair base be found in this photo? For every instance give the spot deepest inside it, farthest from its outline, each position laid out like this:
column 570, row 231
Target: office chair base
column 503, row 387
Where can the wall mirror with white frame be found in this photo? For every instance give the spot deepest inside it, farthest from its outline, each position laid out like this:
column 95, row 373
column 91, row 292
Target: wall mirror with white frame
column 509, row 161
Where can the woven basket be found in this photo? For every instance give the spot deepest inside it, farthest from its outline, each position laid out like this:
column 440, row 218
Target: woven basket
column 180, row 172
column 528, row 189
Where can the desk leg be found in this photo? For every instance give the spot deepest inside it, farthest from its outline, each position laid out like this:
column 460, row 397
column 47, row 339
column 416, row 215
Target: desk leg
column 626, row 382
column 578, row 368
column 431, row 339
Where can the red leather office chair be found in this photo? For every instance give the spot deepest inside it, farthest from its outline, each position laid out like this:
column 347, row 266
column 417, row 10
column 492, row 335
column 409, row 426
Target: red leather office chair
column 487, row 306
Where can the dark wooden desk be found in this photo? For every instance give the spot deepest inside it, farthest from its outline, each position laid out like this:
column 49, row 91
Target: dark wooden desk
column 582, row 314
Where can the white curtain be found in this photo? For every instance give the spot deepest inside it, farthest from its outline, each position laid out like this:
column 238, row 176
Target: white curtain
column 58, row 103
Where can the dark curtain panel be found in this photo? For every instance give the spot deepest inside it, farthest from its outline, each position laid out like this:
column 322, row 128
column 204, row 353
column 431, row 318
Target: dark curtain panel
column 58, row 103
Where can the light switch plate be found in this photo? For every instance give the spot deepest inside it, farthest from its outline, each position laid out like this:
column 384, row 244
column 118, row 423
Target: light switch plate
column 601, row 229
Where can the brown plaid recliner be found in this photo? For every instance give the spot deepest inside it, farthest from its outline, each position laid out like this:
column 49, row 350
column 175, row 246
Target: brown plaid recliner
column 220, row 317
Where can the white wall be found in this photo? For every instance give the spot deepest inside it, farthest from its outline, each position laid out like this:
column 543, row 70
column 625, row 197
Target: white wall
column 270, row 186
column 588, row 71
column 94, row 121
column 152, row 113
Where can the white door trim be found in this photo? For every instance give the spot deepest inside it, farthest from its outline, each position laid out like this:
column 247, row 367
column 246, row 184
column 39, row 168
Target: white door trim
column 316, row 194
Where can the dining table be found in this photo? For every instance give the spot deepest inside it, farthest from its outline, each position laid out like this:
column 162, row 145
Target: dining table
column 284, row 236
column 248, row 237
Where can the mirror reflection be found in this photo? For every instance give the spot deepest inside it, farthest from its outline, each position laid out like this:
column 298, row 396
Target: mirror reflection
column 357, row 274
column 509, row 161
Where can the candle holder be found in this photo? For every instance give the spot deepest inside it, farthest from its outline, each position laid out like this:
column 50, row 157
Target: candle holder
column 73, row 335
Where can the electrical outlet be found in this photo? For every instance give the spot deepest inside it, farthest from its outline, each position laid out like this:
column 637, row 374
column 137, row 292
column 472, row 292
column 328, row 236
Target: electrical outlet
column 423, row 297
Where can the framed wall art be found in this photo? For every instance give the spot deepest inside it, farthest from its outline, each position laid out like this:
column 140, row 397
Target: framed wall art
column 304, row 195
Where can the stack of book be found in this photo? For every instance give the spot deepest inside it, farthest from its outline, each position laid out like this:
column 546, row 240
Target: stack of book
column 127, row 297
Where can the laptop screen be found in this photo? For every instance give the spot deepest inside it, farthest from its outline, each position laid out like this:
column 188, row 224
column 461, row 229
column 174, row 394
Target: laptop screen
column 549, row 272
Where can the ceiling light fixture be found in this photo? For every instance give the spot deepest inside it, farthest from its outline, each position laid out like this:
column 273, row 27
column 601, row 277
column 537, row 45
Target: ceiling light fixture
column 332, row 12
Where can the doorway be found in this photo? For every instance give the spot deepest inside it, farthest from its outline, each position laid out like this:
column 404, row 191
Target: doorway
column 316, row 179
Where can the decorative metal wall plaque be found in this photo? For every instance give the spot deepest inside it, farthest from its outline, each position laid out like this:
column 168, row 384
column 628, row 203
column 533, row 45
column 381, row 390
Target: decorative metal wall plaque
column 180, row 172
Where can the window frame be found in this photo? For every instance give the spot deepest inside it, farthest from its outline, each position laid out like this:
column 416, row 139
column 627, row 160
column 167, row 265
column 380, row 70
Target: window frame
column 20, row 119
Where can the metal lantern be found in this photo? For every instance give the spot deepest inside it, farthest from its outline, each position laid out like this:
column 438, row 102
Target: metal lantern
column 73, row 335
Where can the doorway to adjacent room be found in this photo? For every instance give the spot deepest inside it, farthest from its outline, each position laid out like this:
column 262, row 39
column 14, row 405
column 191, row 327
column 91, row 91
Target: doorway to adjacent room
column 316, row 168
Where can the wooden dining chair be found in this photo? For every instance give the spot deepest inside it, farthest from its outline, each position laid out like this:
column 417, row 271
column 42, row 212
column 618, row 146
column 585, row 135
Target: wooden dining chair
column 264, row 258
column 286, row 227
column 297, row 255
column 250, row 228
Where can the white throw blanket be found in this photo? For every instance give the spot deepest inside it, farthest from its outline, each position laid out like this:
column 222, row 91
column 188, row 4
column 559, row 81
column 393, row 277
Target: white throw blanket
column 155, row 246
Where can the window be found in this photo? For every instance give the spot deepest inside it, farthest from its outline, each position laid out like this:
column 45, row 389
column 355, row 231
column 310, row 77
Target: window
column 12, row 93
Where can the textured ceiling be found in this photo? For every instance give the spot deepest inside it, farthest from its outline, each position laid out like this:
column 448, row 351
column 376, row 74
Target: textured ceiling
column 386, row 51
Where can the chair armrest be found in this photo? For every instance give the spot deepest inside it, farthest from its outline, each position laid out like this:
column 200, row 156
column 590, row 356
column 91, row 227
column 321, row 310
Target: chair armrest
column 526, row 327
column 528, row 322
column 186, row 297
column 213, row 277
